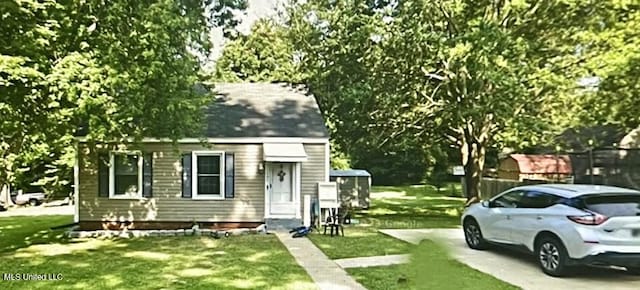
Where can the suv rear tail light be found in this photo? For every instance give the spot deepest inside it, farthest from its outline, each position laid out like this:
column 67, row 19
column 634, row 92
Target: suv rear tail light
column 591, row 219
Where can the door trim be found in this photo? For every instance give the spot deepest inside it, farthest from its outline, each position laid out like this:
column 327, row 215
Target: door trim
column 295, row 187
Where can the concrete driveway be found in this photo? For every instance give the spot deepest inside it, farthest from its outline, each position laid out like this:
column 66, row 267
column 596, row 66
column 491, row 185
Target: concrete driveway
column 38, row 210
column 517, row 268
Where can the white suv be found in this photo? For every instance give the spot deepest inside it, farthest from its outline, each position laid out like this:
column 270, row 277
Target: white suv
column 562, row 224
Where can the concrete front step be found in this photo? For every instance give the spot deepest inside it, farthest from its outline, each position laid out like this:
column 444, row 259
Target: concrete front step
column 282, row 224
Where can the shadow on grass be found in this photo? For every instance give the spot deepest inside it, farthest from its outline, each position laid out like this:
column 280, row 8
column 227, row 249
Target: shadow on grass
column 391, row 208
column 449, row 189
column 425, row 209
column 243, row 262
column 430, row 267
column 22, row 231
column 359, row 241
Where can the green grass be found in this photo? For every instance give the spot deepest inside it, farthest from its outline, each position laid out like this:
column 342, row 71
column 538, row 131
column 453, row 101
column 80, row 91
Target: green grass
column 239, row 262
column 23, row 231
column 430, row 268
column 411, row 207
column 359, row 241
column 392, row 207
column 406, row 207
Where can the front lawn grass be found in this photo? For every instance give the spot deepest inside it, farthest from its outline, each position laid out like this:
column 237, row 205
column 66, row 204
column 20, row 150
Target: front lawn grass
column 359, row 241
column 392, row 207
column 430, row 268
column 238, row 262
column 411, row 207
column 23, row 231
column 406, row 207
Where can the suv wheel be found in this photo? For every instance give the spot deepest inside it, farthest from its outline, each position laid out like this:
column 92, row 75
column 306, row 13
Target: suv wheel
column 33, row 202
column 552, row 256
column 473, row 235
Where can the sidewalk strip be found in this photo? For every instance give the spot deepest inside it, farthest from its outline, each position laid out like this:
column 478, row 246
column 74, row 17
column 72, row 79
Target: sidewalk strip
column 363, row 262
column 324, row 272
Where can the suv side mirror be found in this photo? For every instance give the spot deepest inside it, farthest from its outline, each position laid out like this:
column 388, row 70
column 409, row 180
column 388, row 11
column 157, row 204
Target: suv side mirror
column 486, row 203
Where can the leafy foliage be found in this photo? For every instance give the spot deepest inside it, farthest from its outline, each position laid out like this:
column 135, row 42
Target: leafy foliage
column 477, row 75
column 614, row 99
column 263, row 55
column 116, row 69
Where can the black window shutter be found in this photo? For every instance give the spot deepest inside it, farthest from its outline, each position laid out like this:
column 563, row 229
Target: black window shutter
column 229, row 175
column 186, row 175
column 147, row 174
column 103, row 175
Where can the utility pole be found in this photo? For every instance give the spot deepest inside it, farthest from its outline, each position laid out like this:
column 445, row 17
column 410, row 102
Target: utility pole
column 591, row 159
column 557, row 164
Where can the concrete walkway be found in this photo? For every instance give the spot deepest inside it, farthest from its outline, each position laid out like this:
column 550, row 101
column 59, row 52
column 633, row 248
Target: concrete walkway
column 324, row 272
column 38, row 210
column 516, row 268
column 372, row 261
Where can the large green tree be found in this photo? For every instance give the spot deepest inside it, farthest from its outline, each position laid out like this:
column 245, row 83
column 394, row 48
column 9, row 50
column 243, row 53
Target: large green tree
column 415, row 78
column 263, row 55
column 614, row 98
column 115, row 69
column 472, row 74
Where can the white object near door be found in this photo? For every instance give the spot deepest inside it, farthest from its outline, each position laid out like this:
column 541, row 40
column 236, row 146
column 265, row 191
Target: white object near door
column 306, row 216
column 327, row 198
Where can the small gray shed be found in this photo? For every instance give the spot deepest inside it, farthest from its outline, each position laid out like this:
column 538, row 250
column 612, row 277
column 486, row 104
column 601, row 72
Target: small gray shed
column 354, row 186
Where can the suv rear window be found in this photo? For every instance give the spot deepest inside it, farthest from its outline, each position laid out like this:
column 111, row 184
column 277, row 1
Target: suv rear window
column 612, row 204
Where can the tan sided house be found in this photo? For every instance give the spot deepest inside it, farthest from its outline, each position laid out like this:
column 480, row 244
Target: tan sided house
column 266, row 148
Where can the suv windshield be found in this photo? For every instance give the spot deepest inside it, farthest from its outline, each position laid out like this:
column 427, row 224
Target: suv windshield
column 612, row 204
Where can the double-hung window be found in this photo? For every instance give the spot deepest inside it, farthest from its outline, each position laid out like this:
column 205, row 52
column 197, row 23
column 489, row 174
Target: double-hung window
column 208, row 172
column 126, row 175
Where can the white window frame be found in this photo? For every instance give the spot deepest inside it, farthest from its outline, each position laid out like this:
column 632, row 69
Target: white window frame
column 112, row 175
column 194, row 176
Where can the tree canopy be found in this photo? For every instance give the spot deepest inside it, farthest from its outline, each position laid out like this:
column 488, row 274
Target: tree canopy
column 403, row 84
column 474, row 75
column 116, row 69
column 262, row 55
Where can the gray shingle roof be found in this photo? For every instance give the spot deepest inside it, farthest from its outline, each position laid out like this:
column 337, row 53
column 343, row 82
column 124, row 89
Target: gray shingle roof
column 263, row 110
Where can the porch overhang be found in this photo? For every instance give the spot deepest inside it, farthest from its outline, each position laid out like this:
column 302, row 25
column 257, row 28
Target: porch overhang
column 284, row 152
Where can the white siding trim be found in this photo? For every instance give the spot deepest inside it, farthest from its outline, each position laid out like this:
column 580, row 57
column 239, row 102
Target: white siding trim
column 76, row 185
column 267, row 202
column 327, row 158
column 232, row 140
column 297, row 187
column 194, row 175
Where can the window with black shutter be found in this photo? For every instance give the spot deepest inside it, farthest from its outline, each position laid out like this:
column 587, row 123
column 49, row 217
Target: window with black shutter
column 186, row 175
column 125, row 175
column 229, row 181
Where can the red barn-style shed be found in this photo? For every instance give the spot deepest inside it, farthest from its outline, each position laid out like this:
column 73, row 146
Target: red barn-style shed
column 547, row 167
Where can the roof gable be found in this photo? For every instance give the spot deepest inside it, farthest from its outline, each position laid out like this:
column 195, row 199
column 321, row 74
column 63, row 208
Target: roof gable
column 263, row 110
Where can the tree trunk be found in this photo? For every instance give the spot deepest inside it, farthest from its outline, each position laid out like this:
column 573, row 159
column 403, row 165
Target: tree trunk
column 5, row 195
column 473, row 158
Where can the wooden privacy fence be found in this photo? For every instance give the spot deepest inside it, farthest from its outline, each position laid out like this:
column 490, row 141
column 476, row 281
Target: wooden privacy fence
column 490, row 187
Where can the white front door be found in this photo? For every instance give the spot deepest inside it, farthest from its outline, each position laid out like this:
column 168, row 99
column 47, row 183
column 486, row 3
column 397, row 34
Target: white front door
column 280, row 189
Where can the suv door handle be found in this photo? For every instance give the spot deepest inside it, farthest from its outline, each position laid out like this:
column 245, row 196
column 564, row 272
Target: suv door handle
column 539, row 217
column 508, row 217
